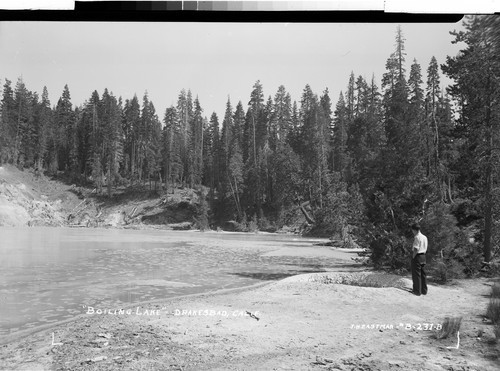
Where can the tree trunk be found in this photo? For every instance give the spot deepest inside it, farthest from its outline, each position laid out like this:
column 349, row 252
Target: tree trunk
column 488, row 217
column 132, row 163
column 108, row 181
column 309, row 219
column 488, row 199
column 16, row 150
column 235, row 197
column 238, row 198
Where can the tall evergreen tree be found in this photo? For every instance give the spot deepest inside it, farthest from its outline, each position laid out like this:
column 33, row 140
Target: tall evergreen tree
column 171, row 148
column 255, row 138
column 475, row 71
column 433, row 93
column 43, row 124
column 22, row 105
column 131, row 126
column 213, row 155
column 417, row 113
column 340, row 136
column 65, row 132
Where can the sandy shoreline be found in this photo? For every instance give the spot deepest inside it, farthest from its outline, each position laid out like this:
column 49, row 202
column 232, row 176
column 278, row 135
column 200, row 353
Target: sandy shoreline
column 304, row 322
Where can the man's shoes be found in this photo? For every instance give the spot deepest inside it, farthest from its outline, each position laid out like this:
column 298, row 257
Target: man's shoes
column 415, row 293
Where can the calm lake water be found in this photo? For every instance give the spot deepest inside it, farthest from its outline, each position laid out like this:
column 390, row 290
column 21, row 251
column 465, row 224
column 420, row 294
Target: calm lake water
column 52, row 274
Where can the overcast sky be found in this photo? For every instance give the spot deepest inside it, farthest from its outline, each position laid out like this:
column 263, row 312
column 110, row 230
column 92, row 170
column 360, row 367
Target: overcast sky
column 214, row 60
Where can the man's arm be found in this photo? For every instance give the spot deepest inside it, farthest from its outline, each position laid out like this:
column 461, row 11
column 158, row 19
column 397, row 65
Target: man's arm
column 416, row 245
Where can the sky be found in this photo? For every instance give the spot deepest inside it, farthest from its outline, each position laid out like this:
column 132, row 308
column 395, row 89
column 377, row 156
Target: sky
column 214, row 60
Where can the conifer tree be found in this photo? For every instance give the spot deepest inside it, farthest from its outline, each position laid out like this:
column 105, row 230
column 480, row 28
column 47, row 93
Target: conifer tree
column 475, row 70
column 131, row 131
column 340, row 125
column 7, row 123
column 22, row 105
column 417, row 113
column 42, row 126
column 433, row 93
column 197, row 143
column 65, row 132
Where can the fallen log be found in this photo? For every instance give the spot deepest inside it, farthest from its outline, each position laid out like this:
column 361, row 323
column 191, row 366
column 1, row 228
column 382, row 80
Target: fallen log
column 302, row 206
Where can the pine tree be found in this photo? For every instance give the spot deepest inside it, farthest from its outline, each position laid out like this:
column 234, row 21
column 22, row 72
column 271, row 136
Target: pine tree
column 239, row 126
column 112, row 131
column 131, row 126
column 281, row 122
column 226, row 139
column 312, row 144
column 399, row 192
column 43, row 124
column 340, row 126
column 475, row 70
column 22, row 106
column 255, row 138
column 171, row 149
column 417, row 113
column 350, row 99
column 214, row 150
column 8, row 124
column 361, row 96
column 197, row 143
column 432, row 101
column 185, row 114
column 65, row 132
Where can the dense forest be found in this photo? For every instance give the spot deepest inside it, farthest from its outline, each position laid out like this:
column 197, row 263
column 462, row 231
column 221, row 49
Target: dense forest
column 363, row 168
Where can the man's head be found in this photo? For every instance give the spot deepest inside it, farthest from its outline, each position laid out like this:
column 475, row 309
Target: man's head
column 415, row 228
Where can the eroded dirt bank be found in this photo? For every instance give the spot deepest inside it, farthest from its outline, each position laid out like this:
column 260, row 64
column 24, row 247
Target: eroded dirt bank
column 29, row 198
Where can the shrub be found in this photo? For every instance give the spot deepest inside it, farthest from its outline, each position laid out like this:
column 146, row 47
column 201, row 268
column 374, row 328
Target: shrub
column 451, row 325
column 390, row 249
column 348, row 239
column 493, row 311
column 252, row 225
column 265, row 225
column 439, row 272
column 496, row 331
column 444, row 270
column 456, row 256
column 341, row 206
column 243, row 224
column 440, row 227
column 467, row 253
column 201, row 219
column 495, row 290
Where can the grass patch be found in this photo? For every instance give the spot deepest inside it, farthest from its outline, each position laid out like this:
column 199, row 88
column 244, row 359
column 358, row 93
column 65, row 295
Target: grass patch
column 451, row 326
column 380, row 280
column 362, row 279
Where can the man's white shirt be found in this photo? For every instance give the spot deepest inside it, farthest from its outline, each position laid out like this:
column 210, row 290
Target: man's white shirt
column 419, row 244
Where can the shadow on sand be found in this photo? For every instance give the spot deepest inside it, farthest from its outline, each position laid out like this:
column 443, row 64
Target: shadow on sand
column 268, row 276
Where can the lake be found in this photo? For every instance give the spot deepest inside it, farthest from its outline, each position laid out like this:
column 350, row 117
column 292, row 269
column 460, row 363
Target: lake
column 52, row 274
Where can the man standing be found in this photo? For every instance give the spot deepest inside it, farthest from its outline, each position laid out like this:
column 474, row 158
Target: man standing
column 418, row 262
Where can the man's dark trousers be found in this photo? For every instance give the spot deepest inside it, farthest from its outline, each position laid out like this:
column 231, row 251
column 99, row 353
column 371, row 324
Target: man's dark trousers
column 418, row 274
